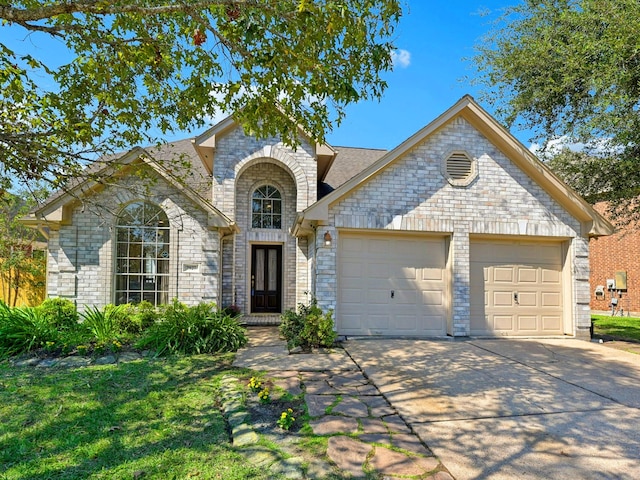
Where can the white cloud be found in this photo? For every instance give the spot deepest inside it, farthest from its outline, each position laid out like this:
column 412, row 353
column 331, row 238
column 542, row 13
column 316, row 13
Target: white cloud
column 401, row 58
column 554, row 146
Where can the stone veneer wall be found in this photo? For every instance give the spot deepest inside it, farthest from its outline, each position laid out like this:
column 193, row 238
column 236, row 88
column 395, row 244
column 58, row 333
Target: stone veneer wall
column 413, row 195
column 80, row 258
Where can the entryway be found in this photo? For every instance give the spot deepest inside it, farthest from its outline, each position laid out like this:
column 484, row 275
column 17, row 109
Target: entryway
column 266, row 278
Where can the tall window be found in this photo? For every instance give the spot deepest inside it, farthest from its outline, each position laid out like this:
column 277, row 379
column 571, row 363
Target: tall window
column 142, row 255
column 266, row 208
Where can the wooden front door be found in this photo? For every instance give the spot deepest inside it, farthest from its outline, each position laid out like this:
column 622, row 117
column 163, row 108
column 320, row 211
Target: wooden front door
column 266, row 279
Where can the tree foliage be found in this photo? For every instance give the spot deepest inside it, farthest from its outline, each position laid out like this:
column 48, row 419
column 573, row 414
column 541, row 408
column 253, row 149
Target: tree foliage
column 160, row 66
column 572, row 68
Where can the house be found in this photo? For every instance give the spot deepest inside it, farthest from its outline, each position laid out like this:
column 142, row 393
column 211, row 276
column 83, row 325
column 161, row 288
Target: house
column 457, row 231
column 616, row 259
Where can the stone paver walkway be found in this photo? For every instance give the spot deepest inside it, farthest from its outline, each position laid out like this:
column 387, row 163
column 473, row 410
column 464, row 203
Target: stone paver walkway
column 366, row 435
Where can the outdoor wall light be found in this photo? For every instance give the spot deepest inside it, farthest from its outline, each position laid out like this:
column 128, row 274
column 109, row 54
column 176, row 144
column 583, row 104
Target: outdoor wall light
column 327, row 239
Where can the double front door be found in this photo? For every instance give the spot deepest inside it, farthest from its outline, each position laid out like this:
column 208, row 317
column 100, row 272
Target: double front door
column 266, row 279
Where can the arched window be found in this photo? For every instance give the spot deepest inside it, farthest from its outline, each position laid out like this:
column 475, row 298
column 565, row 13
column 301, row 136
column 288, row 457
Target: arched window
column 266, row 208
column 142, row 255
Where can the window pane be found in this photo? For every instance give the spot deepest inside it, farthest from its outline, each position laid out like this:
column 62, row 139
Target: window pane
column 265, row 204
column 259, row 269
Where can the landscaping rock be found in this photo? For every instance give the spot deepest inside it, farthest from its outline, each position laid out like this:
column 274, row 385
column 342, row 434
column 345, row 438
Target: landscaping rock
column 373, row 425
column 349, row 455
column 396, row 424
column 27, row 362
column 244, row 435
column 74, row 362
column 128, row 357
column 318, row 404
column 260, row 456
column 330, row 425
column 389, row 462
column 289, row 467
column 47, row 362
column 351, row 407
column 410, row 443
column 106, row 360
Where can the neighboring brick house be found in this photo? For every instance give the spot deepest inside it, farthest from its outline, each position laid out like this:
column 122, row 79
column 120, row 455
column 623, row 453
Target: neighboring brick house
column 609, row 255
column 458, row 231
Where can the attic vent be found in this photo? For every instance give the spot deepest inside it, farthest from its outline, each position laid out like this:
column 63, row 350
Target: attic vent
column 459, row 168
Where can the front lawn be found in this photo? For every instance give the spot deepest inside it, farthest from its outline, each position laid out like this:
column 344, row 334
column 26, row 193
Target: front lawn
column 619, row 327
column 145, row 419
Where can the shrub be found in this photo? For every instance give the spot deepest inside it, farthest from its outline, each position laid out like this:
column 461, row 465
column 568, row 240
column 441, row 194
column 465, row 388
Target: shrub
column 146, row 314
column 23, row 329
column 102, row 324
column 124, row 318
column 309, row 327
column 60, row 313
column 198, row 329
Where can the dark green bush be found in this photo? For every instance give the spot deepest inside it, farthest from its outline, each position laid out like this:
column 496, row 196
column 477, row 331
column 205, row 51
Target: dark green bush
column 308, row 327
column 124, row 318
column 146, row 314
column 198, row 329
column 23, row 329
column 61, row 313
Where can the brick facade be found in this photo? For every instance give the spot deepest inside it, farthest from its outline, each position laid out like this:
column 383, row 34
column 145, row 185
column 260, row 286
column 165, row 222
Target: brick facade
column 242, row 164
column 608, row 255
column 80, row 263
column 411, row 194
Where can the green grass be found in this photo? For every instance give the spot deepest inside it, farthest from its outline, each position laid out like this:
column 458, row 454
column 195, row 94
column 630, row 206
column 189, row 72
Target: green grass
column 152, row 419
column 619, row 327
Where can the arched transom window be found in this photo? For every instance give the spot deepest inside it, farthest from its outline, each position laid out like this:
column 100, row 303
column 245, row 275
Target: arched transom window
column 142, row 255
column 266, row 208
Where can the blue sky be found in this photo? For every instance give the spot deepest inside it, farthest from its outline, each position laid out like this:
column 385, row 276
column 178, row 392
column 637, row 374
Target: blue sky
column 438, row 36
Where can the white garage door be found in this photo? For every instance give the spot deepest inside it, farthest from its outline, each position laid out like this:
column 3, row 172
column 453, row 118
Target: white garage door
column 391, row 285
column 516, row 289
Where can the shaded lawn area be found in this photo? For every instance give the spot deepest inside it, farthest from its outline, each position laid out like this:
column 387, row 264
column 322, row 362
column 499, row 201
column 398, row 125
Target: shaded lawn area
column 144, row 419
column 618, row 327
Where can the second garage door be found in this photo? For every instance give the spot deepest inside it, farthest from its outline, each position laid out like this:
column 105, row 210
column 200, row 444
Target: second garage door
column 391, row 285
column 516, row 289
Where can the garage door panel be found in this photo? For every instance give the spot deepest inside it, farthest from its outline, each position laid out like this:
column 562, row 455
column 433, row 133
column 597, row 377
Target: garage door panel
column 377, row 270
column 435, row 274
column 527, row 275
column 503, row 274
column 414, row 268
column 500, row 273
column 551, row 299
column 352, row 270
column 352, row 295
column 528, row 299
column 433, row 297
column 551, row 323
column 528, row 323
column 378, row 297
column 378, row 322
column 550, row 276
column 503, row 299
column 405, row 323
column 376, row 246
column 503, row 322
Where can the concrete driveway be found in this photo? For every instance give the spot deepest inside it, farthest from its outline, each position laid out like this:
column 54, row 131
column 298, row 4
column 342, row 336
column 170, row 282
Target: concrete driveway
column 561, row 409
